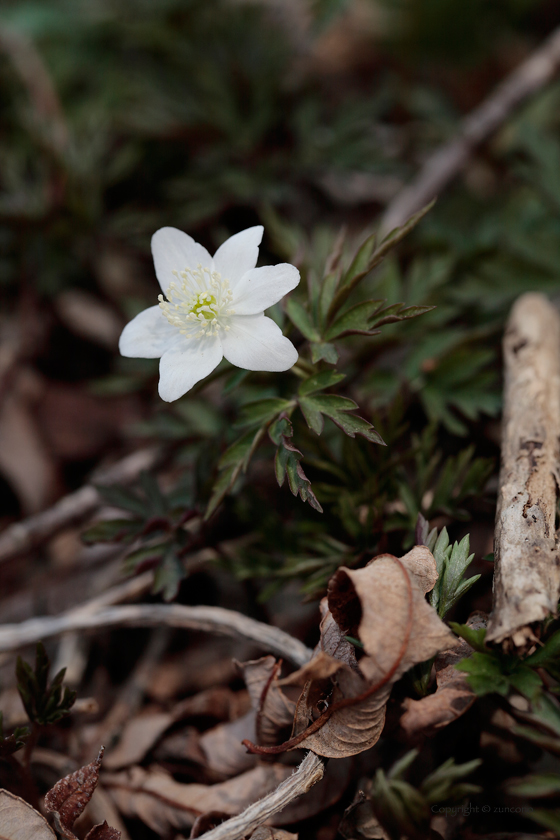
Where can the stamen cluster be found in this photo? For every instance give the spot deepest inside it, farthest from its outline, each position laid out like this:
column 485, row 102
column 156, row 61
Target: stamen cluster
column 200, row 305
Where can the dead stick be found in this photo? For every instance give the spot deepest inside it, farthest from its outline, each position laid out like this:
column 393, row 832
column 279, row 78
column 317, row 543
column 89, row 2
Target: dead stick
column 25, row 535
column 447, row 161
column 309, row 772
column 527, row 576
column 207, row 619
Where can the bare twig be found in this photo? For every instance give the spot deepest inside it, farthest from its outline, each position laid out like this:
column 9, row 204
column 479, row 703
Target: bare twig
column 209, row 619
column 25, row 535
column 527, row 575
column 447, row 161
column 309, row 772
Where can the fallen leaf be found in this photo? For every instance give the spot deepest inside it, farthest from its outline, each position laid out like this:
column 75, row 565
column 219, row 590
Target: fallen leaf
column 154, row 797
column 19, row 821
column 359, row 821
column 222, row 746
column 25, row 461
column 384, row 606
column 273, row 710
column 138, row 737
column 453, row 696
column 89, row 317
column 103, row 832
column 68, row 798
column 266, row 832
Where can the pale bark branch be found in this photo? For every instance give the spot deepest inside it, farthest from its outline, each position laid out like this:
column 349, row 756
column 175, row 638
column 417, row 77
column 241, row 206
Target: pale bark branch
column 30, row 532
column 309, row 772
column 527, row 576
column 447, row 161
column 209, row 619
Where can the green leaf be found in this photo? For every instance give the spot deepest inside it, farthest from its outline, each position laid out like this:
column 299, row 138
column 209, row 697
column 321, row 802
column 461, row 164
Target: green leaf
column 328, row 289
column 261, row 411
column 168, row 576
column 538, row 784
column 485, row 674
column 235, row 459
column 320, row 381
column 323, row 350
column 451, row 564
column 548, row 819
column 398, row 312
column 123, row 497
column 287, row 464
column 112, row 530
column 474, row 637
column 301, row 319
column 550, row 652
column 355, row 320
column 361, row 259
column 337, row 408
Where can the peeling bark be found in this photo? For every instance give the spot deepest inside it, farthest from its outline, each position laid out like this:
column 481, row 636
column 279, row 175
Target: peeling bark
column 527, row 576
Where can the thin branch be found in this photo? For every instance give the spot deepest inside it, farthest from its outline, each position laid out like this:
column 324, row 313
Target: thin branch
column 209, row 619
column 309, row 772
column 527, row 577
column 447, row 161
column 30, row 532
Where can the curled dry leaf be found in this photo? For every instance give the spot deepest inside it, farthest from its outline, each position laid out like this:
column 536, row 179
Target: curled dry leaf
column 453, row 696
column 273, row 710
column 68, row 798
column 384, row 606
column 103, row 832
column 19, row 821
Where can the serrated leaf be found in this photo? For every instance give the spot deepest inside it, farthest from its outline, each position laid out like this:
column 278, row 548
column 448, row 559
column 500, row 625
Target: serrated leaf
column 324, row 350
column 168, row 576
column 355, row 320
column 361, row 259
column 398, row 312
column 328, row 289
column 261, row 411
column 320, row 381
column 287, row 464
column 157, row 504
column 235, row 459
column 474, row 637
column 485, row 674
column 123, row 497
column 451, row 564
column 111, row 530
column 336, row 408
column 301, row 319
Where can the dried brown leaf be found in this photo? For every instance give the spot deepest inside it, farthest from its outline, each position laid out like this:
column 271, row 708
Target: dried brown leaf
column 453, row 696
column 70, row 795
column 274, row 711
column 359, row 821
column 153, row 796
column 206, row 822
column 139, row 735
column 103, row 832
column 266, row 832
column 223, row 749
column 19, row 821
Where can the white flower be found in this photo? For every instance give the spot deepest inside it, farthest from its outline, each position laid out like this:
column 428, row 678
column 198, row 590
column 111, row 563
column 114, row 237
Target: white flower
column 213, row 307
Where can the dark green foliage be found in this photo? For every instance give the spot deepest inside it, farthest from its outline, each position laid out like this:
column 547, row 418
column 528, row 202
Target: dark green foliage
column 45, row 702
column 451, row 562
column 9, row 744
column 405, row 810
column 154, row 530
column 287, row 462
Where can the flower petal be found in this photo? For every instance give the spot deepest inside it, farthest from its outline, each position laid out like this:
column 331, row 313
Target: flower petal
column 255, row 342
column 148, row 335
column 185, row 364
column 238, row 254
column 261, row 287
column 174, row 250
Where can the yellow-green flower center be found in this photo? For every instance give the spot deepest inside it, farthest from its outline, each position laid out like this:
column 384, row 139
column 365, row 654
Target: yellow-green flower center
column 199, row 304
